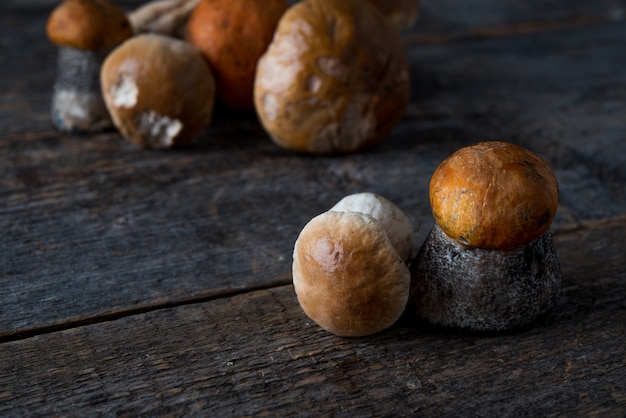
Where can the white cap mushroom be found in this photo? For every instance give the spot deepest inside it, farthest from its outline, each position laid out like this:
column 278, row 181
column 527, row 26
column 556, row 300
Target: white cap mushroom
column 396, row 224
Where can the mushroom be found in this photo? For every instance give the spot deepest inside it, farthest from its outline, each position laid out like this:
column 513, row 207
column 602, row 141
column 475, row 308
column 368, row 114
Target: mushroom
column 402, row 14
column 335, row 78
column 350, row 269
column 232, row 36
column 159, row 90
column 489, row 264
column 167, row 17
column 85, row 31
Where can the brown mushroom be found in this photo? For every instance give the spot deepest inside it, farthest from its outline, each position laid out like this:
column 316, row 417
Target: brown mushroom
column 85, row 31
column 335, row 79
column 159, row 91
column 489, row 264
column 349, row 266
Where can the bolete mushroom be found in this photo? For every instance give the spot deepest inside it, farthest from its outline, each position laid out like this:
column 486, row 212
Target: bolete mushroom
column 350, row 269
column 335, row 78
column 159, row 90
column 232, row 35
column 489, row 264
column 85, row 31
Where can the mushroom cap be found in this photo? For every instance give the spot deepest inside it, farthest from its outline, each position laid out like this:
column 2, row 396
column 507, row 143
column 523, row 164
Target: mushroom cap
column 159, row 90
column 494, row 195
column 402, row 14
column 232, row 35
column 88, row 24
column 397, row 225
column 335, row 78
column 347, row 276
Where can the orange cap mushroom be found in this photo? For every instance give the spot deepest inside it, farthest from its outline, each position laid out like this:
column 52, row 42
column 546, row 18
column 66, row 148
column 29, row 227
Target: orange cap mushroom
column 88, row 24
column 232, row 35
column 494, row 195
column 489, row 263
column 85, row 31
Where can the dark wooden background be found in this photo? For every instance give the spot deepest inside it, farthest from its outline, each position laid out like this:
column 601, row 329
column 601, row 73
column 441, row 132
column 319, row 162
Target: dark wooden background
column 136, row 282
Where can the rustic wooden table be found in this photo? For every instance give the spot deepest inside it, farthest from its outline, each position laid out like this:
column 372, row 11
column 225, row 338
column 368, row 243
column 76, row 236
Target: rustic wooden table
column 158, row 283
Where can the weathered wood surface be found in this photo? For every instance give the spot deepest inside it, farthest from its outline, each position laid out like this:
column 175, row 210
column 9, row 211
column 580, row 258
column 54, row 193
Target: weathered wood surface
column 135, row 281
column 257, row 354
column 94, row 227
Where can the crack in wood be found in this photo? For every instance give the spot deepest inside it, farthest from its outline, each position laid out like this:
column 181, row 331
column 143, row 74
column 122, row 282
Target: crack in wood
column 138, row 310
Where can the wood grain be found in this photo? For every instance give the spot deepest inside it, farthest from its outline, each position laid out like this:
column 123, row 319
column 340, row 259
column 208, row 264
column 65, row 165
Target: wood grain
column 94, row 228
column 158, row 283
column 257, row 354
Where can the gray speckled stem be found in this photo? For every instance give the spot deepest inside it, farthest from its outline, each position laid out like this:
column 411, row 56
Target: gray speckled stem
column 484, row 290
column 77, row 103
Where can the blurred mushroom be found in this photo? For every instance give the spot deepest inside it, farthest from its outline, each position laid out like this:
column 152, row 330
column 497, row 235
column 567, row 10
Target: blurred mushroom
column 489, row 264
column 159, row 90
column 85, row 31
column 402, row 14
column 335, row 78
column 167, row 17
column 349, row 266
column 232, row 36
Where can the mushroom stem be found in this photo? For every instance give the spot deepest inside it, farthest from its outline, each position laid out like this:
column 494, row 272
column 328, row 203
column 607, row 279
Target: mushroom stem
column 484, row 289
column 77, row 103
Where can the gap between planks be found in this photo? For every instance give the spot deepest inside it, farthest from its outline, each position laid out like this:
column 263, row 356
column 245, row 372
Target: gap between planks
column 216, row 295
column 137, row 310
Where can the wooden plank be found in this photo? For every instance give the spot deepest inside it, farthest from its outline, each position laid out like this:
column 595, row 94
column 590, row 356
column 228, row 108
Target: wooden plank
column 556, row 93
column 28, row 60
column 257, row 354
column 444, row 21
column 445, row 17
column 94, row 228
